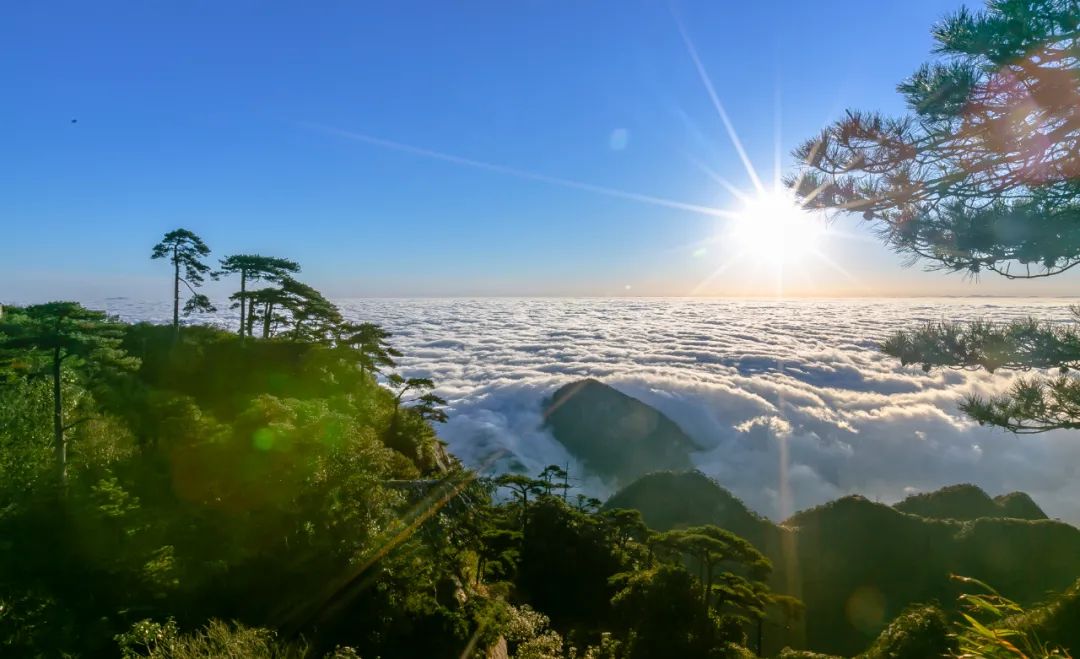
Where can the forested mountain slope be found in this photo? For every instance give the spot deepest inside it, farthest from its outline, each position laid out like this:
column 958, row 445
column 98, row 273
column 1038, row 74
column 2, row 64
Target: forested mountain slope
column 857, row 564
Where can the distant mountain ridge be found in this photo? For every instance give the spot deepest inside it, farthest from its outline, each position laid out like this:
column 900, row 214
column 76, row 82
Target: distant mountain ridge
column 857, row 564
column 669, row 499
column 616, row 436
column 968, row 502
column 854, row 547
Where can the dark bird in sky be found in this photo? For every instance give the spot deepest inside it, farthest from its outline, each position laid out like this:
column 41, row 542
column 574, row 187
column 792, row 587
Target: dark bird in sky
column 74, row 121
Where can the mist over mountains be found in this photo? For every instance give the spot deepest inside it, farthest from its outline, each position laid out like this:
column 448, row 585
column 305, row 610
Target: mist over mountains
column 748, row 381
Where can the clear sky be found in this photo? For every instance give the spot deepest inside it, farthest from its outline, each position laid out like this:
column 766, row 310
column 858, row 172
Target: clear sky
column 251, row 123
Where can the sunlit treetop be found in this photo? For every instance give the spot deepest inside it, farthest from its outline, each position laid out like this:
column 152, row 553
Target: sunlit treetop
column 65, row 328
column 984, row 172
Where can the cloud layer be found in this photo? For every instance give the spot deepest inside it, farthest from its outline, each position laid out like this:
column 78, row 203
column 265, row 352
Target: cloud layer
column 792, row 399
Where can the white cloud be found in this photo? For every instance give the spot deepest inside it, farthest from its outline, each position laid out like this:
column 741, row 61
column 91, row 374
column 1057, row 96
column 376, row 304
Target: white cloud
column 791, row 400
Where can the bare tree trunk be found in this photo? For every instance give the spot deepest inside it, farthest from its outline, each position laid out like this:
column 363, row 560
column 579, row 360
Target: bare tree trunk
column 59, row 445
column 268, row 309
column 243, row 301
column 524, row 510
column 176, row 295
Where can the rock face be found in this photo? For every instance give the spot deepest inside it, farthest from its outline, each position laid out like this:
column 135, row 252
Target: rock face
column 616, row 436
column 967, row 502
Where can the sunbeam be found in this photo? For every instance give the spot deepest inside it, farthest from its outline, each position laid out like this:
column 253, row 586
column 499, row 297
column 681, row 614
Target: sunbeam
column 778, row 175
column 524, row 174
column 707, row 82
column 836, row 267
column 723, row 182
column 700, row 287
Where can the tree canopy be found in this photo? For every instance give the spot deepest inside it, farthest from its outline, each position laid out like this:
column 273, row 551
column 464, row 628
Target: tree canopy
column 372, row 345
column 312, row 315
column 984, row 173
column 185, row 251
column 255, row 267
column 59, row 338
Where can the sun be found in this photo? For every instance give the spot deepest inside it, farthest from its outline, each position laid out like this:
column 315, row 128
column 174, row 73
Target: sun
column 771, row 228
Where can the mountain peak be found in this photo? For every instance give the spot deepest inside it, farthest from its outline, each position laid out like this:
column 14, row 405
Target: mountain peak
column 967, row 502
column 615, row 435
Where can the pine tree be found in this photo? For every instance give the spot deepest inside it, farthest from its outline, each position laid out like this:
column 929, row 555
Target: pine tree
column 266, row 305
column 371, row 342
column 314, row 318
column 983, row 175
column 185, row 250
column 251, row 268
column 62, row 337
column 425, row 403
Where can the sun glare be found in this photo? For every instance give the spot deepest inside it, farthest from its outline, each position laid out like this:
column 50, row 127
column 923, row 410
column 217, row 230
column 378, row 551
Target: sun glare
column 771, row 228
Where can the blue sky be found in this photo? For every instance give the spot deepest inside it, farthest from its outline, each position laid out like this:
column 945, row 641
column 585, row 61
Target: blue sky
column 233, row 119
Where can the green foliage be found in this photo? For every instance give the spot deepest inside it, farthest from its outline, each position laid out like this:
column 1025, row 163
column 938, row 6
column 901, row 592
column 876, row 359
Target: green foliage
column 1021, row 344
column 252, row 268
column 968, row 502
column 222, row 481
column 265, row 305
column 292, row 308
column 981, row 632
column 218, row 639
column 982, row 176
column 1055, row 621
column 920, row 631
column 788, row 653
column 857, row 564
column 313, row 317
column 423, row 402
column 293, row 488
column 529, row 636
column 605, row 583
column 870, row 561
column 30, row 623
column 660, row 613
column 1033, row 404
column 32, row 334
column 371, row 343
column 987, row 626
column 185, row 251
column 69, row 344
column 983, row 173
column 670, row 499
column 567, row 559
column 737, row 590
column 25, row 435
column 278, row 485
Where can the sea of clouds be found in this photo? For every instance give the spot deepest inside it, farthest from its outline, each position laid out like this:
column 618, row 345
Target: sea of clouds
column 792, row 401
